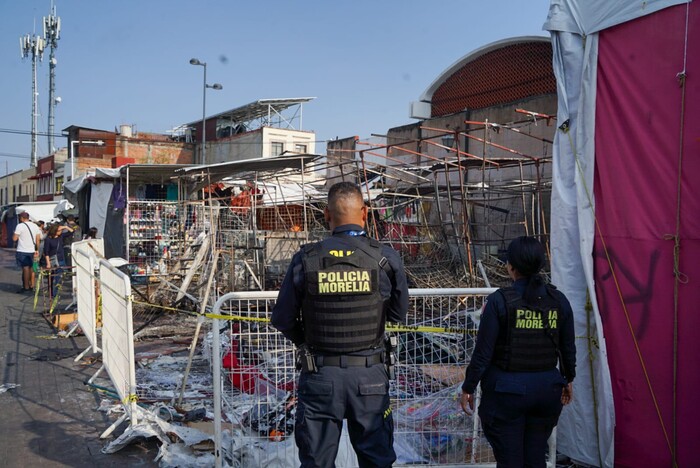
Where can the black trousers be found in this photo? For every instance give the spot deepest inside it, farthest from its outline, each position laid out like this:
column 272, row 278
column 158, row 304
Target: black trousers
column 518, row 412
column 358, row 394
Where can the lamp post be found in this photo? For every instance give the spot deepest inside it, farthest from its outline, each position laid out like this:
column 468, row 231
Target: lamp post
column 216, row 86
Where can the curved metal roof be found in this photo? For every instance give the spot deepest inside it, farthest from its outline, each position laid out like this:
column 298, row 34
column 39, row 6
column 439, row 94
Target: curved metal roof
column 427, row 95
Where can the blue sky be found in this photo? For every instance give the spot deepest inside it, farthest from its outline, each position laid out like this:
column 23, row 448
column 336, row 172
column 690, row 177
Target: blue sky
column 128, row 61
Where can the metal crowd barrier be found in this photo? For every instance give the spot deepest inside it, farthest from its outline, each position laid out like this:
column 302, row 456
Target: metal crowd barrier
column 85, row 298
column 118, row 339
column 254, row 383
column 254, row 377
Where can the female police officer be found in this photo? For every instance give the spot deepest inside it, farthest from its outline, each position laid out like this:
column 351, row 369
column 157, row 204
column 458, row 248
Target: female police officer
column 525, row 330
column 333, row 304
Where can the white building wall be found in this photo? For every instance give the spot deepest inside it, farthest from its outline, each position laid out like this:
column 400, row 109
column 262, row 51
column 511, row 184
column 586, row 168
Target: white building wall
column 28, row 186
column 260, row 143
column 292, row 141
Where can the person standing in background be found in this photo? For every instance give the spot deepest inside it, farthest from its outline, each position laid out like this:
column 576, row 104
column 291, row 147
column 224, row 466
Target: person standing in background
column 68, row 240
column 54, row 254
column 91, row 234
column 42, row 229
column 525, row 330
column 28, row 238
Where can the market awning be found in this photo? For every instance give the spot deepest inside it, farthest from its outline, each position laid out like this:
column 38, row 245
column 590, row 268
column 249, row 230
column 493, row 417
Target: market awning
column 211, row 173
column 38, row 211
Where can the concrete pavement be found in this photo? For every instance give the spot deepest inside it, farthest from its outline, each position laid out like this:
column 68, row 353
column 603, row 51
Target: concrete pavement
column 51, row 418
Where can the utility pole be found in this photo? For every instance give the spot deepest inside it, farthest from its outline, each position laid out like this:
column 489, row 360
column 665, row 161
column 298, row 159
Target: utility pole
column 52, row 33
column 33, row 45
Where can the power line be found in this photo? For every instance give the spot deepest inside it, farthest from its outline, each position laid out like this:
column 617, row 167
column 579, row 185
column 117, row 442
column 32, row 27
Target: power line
column 28, row 132
column 147, row 140
column 12, row 155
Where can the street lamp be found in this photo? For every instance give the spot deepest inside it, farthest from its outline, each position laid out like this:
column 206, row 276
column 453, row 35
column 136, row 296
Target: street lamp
column 448, row 140
column 216, row 86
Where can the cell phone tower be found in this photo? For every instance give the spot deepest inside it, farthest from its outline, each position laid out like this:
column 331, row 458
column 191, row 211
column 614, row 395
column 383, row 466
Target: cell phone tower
column 33, row 45
column 52, row 33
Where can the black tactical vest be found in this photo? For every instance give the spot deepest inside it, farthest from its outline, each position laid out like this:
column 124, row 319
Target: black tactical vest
column 531, row 339
column 343, row 310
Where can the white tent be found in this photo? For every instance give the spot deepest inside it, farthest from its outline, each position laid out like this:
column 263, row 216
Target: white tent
column 39, row 211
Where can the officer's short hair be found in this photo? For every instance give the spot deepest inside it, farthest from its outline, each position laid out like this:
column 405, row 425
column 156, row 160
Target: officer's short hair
column 342, row 190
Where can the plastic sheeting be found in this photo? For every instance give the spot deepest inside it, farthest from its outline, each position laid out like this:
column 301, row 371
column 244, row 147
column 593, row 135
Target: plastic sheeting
column 585, row 430
column 42, row 211
column 586, row 17
column 171, row 453
column 100, row 195
column 585, row 435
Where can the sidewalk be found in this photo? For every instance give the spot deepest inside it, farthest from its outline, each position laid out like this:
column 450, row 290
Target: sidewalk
column 51, row 418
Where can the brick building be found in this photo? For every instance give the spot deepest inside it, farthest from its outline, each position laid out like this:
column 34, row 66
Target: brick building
column 89, row 148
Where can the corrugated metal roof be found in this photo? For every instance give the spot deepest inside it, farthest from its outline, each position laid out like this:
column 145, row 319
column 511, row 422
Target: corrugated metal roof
column 255, row 109
column 212, row 173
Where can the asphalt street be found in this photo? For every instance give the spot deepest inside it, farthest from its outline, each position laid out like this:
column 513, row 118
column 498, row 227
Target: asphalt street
column 49, row 417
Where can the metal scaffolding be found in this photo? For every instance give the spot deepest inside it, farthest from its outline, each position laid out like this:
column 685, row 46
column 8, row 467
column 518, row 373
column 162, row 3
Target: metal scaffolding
column 449, row 210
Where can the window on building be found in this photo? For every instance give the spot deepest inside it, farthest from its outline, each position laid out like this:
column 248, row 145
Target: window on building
column 59, row 185
column 277, row 148
column 301, row 149
column 14, row 193
column 20, row 190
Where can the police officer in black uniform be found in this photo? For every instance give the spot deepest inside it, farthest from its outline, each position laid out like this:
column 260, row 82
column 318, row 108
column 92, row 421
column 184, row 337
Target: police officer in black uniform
column 333, row 305
column 525, row 330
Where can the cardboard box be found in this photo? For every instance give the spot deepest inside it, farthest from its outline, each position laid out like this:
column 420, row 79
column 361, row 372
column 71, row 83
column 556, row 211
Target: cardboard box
column 61, row 321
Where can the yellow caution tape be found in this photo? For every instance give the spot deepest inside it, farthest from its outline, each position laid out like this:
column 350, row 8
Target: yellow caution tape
column 423, row 329
column 389, row 326
column 237, row 318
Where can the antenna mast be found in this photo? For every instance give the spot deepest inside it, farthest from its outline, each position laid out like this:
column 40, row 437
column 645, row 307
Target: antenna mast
column 52, row 33
column 33, row 45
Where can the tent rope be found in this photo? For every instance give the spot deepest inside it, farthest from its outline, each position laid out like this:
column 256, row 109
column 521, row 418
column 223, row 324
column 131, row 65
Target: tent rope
column 679, row 277
column 565, row 127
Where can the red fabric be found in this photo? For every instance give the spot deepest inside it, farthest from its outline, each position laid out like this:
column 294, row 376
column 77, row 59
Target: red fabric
column 638, row 133
column 245, row 377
